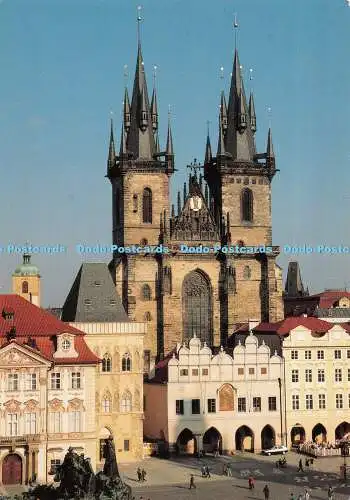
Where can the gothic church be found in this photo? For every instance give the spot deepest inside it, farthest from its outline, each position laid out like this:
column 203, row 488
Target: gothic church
column 180, row 294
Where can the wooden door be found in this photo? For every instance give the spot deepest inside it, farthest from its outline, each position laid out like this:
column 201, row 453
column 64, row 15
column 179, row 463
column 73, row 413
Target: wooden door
column 12, row 469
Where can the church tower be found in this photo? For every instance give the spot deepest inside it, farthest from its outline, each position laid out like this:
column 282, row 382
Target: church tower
column 26, row 281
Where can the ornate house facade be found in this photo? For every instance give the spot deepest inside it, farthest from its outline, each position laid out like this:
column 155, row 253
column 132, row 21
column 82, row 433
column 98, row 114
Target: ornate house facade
column 47, row 388
column 200, row 400
column 180, row 294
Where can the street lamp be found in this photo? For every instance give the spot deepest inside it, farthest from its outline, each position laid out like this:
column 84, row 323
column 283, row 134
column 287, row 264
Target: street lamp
column 345, row 453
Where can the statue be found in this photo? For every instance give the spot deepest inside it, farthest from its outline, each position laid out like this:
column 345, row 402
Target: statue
column 78, row 481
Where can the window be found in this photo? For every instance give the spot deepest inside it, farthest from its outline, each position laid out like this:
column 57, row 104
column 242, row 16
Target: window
column 179, row 407
column 106, row 405
column 294, row 355
column 76, row 380
column 30, row 382
column 295, row 402
column 256, row 404
column 126, row 445
column 211, row 405
column 307, row 354
column 337, row 354
column 183, row 372
column 146, row 361
column 126, row 403
column 54, row 465
column 263, row 371
column 196, row 406
column 308, row 375
column 146, row 293
column 251, row 371
column 322, row 401
column 348, row 374
column 126, row 363
column 240, row 371
column 272, row 403
column 295, row 375
column 320, row 375
column 309, row 402
column 339, row 401
column 242, row 405
column 147, row 316
column 147, row 206
column 55, row 380
column 106, row 363
column 205, row 371
column 348, row 353
column 74, row 421
column 66, row 345
column 30, row 423
column 25, row 287
column 338, row 375
column 134, row 202
column 12, row 423
column 247, row 205
column 12, row 382
column 195, row 372
column 320, row 354
column 247, row 273
column 55, row 422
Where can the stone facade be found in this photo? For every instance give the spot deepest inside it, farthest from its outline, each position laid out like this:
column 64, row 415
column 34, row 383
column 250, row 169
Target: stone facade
column 231, row 401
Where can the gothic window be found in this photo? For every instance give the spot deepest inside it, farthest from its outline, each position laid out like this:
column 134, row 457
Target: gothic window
column 147, row 205
column 226, row 398
column 126, row 363
column 106, row 404
column 106, row 363
column 146, row 293
column 25, row 287
column 126, row 402
column 147, row 316
column 197, row 307
column 135, row 202
column 247, row 205
column 247, row 273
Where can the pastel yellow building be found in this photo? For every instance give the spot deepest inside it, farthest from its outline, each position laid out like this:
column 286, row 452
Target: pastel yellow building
column 26, row 281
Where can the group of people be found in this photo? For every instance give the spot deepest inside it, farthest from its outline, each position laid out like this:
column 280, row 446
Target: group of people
column 323, row 449
column 141, row 475
column 205, row 471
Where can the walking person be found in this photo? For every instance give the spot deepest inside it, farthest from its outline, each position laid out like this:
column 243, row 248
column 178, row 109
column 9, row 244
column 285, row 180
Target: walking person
column 139, row 475
column 330, row 493
column 207, row 471
column 143, row 475
column 251, row 483
column 266, row 492
column 300, row 468
column 192, row 485
column 204, row 472
column 306, row 495
column 229, row 470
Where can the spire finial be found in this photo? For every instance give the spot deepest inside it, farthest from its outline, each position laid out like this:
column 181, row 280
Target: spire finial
column 139, row 19
column 235, row 25
column 126, row 75
column 155, row 67
column 222, row 76
column 269, row 110
column 251, row 78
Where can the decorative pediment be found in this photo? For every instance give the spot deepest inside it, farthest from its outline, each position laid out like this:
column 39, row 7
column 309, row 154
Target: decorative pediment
column 31, row 406
column 12, row 406
column 75, row 405
column 15, row 355
column 56, row 405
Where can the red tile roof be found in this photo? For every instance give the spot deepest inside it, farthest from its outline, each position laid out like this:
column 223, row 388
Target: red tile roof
column 32, row 321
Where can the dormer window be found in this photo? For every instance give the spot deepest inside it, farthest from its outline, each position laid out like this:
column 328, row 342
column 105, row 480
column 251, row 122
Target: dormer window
column 66, row 345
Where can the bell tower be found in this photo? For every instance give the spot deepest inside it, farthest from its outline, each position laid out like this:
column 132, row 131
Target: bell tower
column 26, row 281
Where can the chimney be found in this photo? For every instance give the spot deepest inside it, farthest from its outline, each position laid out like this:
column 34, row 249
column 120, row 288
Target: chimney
column 252, row 323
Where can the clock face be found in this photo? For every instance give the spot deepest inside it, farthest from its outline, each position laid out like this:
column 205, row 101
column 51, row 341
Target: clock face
column 195, row 203
column 66, row 344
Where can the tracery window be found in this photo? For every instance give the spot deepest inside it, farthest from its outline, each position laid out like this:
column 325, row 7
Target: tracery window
column 126, row 402
column 106, row 405
column 146, row 292
column 247, row 205
column 147, row 206
column 197, row 307
column 126, row 363
column 107, row 363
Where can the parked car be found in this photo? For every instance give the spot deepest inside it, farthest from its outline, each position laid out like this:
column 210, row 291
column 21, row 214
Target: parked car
column 275, row 450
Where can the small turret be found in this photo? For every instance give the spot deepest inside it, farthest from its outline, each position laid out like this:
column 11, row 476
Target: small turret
column 143, row 118
column 252, row 115
column 127, row 115
column 221, row 143
column 154, row 111
column 208, row 153
column 111, row 151
column 223, row 112
column 242, row 114
column 122, row 151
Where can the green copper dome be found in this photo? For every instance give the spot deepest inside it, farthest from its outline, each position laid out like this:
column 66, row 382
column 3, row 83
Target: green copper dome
column 26, row 269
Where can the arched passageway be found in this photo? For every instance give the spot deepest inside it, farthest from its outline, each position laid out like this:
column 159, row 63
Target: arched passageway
column 244, row 439
column 297, row 435
column 343, row 431
column 319, row 434
column 212, row 441
column 186, row 443
column 268, row 437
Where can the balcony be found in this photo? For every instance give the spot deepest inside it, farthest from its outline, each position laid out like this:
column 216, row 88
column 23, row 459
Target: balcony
column 19, row 440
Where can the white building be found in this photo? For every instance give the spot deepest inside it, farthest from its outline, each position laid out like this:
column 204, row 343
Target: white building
column 198, row 400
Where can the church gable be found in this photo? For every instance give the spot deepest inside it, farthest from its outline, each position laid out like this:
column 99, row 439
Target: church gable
column 195, row 222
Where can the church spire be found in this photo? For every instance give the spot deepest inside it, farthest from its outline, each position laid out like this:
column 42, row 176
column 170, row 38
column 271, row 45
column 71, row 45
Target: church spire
column 169, row 150
column 223, row 111
column 221, row 143
column 252, row 115
column 126, row 111
column 111, row 151
column 154, row 107
column 208, row 153
column 140, row 141
column 123, row 150
column 269, row 150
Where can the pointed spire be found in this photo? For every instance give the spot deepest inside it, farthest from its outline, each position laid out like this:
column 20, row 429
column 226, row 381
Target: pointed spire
column 154, row 106
column 157, row 147
column 185, row 192
column 221, row 144
column 223, row 111
column 252, row 115
column 269, row 150
column 208, row 153
column 111, row 151
column 169, row 142
column 122, row 151
column 127, row 116
column 172, row 210
column 178, row 203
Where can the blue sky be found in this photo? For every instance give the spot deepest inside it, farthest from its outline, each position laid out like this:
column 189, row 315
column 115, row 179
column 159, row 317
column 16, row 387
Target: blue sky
column 62, row 72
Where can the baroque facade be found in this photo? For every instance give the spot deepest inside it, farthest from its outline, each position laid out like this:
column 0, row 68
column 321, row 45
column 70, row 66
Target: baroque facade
column 200, row 400
column 94, row 307
column 47, row 388
column 181, row 294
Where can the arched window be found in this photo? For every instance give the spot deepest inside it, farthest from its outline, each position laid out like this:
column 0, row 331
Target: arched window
column 247, row 273
column 106, row 363
column 126, row 363
column 147, row 205
column 247, row 205
column 126, row 402
column 106, row 404
column 197, row 307
column 146, row 293
column 147, row 316
column 25, row 287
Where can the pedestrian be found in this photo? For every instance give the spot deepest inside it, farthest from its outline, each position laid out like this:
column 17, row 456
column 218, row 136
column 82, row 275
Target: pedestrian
column 139, row 475
column 224, row 470
column 330, row 493
column 204, row 473
column 207, row 471
column 229, row 470
column 192, row 485
column 251, row 483
column 266, row 492
column 306, row 462
column 143, row 475
column 306, row 495
column 292, row 497
column 300, row 469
